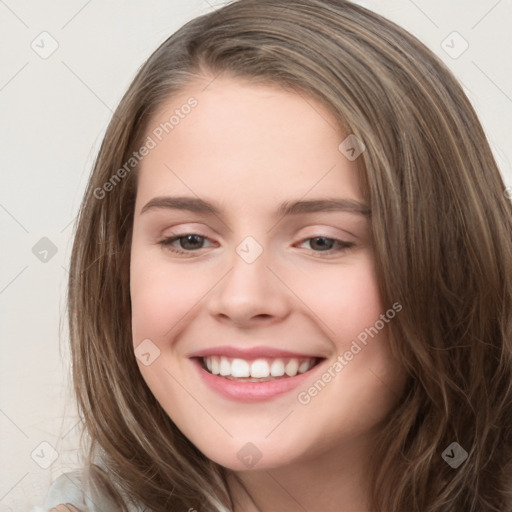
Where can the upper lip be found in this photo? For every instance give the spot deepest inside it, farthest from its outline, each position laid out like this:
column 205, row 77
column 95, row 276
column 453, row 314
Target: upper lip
column 249, row 352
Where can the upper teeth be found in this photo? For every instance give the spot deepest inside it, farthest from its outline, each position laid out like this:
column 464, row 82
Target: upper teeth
column 258, row 368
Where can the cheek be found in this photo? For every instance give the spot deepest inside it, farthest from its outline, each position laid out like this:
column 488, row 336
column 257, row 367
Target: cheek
column 346, row 301
column 161, row 295
column 344, row 297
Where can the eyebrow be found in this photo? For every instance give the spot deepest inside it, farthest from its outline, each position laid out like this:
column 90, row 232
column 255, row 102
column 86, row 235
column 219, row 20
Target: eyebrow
column 286, row 208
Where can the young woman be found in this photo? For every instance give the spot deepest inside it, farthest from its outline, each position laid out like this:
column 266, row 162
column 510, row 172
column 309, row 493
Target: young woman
column 291, row 282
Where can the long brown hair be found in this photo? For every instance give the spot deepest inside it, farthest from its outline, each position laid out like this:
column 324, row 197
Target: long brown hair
column 442, row 230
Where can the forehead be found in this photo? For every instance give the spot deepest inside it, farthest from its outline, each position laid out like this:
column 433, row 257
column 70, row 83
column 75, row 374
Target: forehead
column 245, row 140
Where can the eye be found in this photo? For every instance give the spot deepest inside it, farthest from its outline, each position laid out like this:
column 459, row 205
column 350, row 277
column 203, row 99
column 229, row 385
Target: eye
column 192, row 242
column 188, row 243
column 327, row 245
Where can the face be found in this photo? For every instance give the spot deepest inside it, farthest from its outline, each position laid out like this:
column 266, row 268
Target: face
column 256, row 318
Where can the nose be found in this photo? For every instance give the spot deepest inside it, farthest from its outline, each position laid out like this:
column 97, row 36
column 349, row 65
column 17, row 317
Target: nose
column 250, row 294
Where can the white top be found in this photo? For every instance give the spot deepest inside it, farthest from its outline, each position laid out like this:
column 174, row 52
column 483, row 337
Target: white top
column 68, row 489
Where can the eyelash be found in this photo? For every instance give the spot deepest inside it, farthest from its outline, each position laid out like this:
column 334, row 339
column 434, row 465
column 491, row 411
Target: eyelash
column 167, row 244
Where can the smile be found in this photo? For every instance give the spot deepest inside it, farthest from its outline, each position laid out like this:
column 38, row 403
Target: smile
column 257, row 370
column 254, row 374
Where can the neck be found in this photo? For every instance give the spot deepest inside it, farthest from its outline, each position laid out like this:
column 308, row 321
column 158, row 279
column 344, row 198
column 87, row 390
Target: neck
column 335, row 480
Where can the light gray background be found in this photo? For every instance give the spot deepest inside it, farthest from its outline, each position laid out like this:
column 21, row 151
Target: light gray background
column 54, row 112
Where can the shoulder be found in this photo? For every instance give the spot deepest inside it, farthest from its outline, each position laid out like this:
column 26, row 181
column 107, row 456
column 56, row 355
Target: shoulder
column 69, row 488
column 66, row 489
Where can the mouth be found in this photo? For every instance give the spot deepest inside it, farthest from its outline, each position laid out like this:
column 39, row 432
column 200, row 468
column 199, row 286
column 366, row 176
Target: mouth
column 259, row 369
column 254, row 374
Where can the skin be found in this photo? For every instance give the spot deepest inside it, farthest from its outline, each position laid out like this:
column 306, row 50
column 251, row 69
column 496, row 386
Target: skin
column 248, row 148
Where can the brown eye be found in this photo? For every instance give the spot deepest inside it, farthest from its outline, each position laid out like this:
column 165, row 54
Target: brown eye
column 191, row 242
column 182, row 244
column 322, row 244
column 326, row 244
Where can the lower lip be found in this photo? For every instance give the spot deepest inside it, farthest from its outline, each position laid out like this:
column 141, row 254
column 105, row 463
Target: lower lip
column 252, row 391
